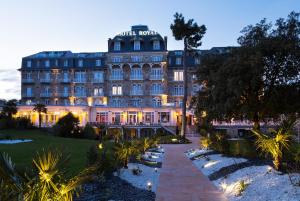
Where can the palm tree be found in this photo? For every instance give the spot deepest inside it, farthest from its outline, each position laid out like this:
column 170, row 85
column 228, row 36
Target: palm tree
column 191, row 34
column 144, row 144
column 40, row 108
column 273, row 145
column 49, row 182
column 124, row 151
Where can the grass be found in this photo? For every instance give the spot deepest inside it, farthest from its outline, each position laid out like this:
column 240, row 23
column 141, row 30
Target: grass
column 23, row 153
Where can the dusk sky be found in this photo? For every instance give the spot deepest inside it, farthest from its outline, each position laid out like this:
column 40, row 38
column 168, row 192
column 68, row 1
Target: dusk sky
column 31, row 26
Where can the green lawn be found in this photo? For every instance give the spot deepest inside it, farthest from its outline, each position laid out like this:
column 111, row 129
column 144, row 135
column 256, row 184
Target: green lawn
column 23, row 153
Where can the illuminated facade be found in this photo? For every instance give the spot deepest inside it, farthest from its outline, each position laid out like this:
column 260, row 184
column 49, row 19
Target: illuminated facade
column 137, row 81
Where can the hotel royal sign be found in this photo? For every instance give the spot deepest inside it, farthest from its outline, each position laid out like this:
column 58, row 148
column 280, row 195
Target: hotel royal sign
column 138, row 33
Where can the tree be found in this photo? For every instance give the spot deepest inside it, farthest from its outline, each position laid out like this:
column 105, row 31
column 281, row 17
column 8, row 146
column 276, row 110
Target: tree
column 40, row 108
column 256, row 80
column 191, row 34
column 9, row 109
column 68, row 126
column 124, row 151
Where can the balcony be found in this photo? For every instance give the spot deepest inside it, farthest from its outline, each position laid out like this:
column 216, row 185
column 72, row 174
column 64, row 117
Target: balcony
column 99, row 80
column 45, row 80
column 156, row 77
column 98, row 94
column 156, row 92
column 136, row 93
column 77, row 80
column 27, row 80
column 82, row 94
column 64, row 94
column 120, row 77
column 65, row 80
column 45, row 94
column 136, row 77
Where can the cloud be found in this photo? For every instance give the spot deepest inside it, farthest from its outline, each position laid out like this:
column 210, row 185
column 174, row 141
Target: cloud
column 10, row 84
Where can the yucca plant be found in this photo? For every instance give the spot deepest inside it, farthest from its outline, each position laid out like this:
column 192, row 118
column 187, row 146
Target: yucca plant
column 124, row 151
column 48, row 181
column 273, row 144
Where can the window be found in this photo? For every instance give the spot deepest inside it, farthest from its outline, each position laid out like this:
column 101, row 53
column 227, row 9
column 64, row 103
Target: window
column 56, row 62
column 66, row 91
column 156, row 74
column 196, row 88
column 194, row 76
column 136, row 45
column 136, row 74
column 38, row 64
column 156, row 45
column 98, row 91
column 156, row 89
column 116, row 59
column 116, row 74
column 116, row 102
column 66, row 63
column 117, row 46
column 197, row 61
column 135, row 102
column 136, row 59
column 178, row 90
column 136, row 89
column 47, row 63
column 156, row 102
column 164, row 117
column 47, row 102
column 98, row 77
column 102, row 117
column 178, row 75
column 178, row 61
column 178, row 53
column 29, row 92
column 65, row 76
column 66, row 102
column 117, row 90
column 98, row 62
column 47, row 76
column 148, row 117
column 80, row 77
column 80, row 91
column 80, row 63
column 29, row 64
column 157, row 58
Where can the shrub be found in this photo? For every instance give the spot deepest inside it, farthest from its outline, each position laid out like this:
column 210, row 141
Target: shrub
column 89, row 132
column 242, row 185
column 23, row 123
column 92, row 155
column 202, row 132
column 242, row 147
column 205, row 142
column 68, row 126
column 220, row 143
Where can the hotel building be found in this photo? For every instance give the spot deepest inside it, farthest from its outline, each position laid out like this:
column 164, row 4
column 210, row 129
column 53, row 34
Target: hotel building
column 137, row 81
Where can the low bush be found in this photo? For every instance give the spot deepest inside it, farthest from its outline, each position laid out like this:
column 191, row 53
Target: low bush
column 242, row 148
column 23, row 123
column 89, row 132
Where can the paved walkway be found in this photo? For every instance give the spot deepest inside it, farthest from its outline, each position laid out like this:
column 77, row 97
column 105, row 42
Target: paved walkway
column 180, row 180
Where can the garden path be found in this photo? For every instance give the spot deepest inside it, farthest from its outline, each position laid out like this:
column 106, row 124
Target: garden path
column 180, row 180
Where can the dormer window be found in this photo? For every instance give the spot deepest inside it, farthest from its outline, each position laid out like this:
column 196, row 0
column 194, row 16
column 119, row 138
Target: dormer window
column 29, row 64
column 156, row 45
column 117, row 46
column 137, row 45
column 178, row 61
column 98, row 62
column 47, row 63
column 80, row 63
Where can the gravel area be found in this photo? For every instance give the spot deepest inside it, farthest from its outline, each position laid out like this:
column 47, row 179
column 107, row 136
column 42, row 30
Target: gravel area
column 114, row 189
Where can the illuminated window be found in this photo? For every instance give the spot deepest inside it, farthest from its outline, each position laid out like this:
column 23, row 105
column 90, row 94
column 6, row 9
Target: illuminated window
column 178, row 75
column 117, row 90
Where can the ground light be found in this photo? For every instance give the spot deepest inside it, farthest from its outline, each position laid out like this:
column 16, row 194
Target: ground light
column 155, row 169
column 149, row 185
column 100, row 146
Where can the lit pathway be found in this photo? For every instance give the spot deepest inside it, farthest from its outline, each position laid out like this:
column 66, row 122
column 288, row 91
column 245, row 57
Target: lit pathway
column 180, row 180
